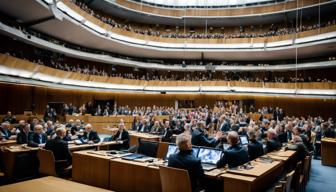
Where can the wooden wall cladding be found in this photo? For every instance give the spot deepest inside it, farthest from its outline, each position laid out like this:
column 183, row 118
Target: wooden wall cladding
column 18, row 98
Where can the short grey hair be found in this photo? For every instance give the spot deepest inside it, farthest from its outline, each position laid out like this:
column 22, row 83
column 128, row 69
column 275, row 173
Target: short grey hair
column 182, row 140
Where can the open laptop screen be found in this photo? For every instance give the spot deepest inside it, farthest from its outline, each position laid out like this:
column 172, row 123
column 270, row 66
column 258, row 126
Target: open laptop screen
column 172, row 149
column 243, row 139
column 209, row 156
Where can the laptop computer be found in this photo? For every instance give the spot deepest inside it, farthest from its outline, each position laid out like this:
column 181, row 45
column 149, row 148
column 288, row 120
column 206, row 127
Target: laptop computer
column 209, row 158
column 133, row 156
column 243, row 139
column 172, row 149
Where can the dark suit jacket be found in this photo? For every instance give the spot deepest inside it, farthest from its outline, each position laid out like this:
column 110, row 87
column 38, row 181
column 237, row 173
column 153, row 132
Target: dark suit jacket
column 282, row 137
column 35, row 141
column 301, row 150
column 145, row 128
column 186, row 160
column 330, row 133
column 234, row 156
column 23, row 138
column 255, row 149
column 124, row 138
column 167, row 135
column 60, row 149
column 93, row 136
column 5, row 133
column 225, row 127
column 272, row 145
column 200, row 139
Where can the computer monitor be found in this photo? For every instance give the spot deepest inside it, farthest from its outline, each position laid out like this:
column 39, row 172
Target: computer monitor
column 243, row 139
column 209, row 156
column 172, row 149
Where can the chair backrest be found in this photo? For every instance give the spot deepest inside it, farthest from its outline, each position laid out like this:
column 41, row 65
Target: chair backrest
column 173, row 180
column 306, row 168
column 289, row 178
column 148, row 148
column 47, row 162
column 279, row 188
column 296, row 178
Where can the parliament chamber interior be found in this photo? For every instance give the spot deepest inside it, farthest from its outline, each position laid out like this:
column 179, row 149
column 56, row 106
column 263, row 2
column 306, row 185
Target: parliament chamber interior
column 167, row 95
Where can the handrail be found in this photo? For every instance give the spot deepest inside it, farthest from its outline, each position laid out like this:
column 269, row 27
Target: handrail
column 131, row 34
column 219, row 12
column 20, row 64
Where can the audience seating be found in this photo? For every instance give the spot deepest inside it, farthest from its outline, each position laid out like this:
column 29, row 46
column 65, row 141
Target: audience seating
column 203, row 41
column 173, row 180
column 16, row 63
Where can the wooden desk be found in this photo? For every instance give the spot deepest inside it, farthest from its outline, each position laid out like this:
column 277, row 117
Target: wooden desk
column 50, row 184
column 239, row 183
column 328, row 152
column 91, row 169
column 257, row 179
column 134, row 136
column 259, row 169
column 287, row 157
column 7, row 143
column 123, row 175
column 10, row 154
column 134, row 176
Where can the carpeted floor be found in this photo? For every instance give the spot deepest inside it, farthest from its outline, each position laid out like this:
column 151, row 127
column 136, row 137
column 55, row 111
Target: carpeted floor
column 322, row 178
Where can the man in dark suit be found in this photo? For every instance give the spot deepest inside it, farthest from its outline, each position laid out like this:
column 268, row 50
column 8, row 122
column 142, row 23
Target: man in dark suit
column 167, row 134
column 298, row 146
column 272, row 143
column 255, row 148
column 143, row 126
column 282, row 135
column 184, row 159
column 199, row 137
column 5, row 133
column 235, row 155
column 122, row 137
column 24, row 135
column 39, row 138
column 90, row 135
column 60, row 149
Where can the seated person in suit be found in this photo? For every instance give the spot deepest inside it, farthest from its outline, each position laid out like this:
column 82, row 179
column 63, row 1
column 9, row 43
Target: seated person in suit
column 24, row 135
column 60, row 149
column 200, row 138
column 39, row 138
column 90, row 135
column 167, row 133
column 184, row 159
column 5, row 131
column 298, row 132
column 235, row 155
column 282, row 135
column 298, row 146
column 75, row 127
column 144, row 127
column 49, row 128
column 272, row 143
column 121, row 137
column 255, row 148
column 156, row 128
